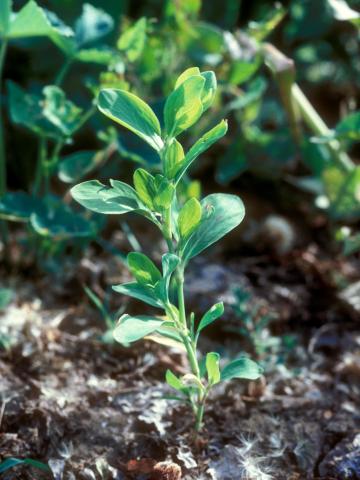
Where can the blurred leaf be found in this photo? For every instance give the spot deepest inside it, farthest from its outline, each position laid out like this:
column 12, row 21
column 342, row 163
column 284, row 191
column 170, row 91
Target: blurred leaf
column 5, row 14
column 75, row 166
column 343, row 190
column 132, row 41
column 13, row 462
column 243, row 367
column 349, row 127
column 232, row 163
column 92, row 25
column 19, row 206
column 101, row 56
column 264, row 27
column 62, row 113
column 343, row 12
column 6, row 295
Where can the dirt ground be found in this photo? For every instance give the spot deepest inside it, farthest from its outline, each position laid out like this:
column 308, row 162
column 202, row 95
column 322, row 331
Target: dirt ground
column 96, row 410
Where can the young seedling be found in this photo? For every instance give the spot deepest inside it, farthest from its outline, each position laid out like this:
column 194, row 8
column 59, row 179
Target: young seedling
column 188, row 229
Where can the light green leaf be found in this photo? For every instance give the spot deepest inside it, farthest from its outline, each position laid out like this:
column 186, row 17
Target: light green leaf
column 349, row 127
column 100, row 56
column 200, row 146
column 173, row 381
column 209, row 90
column 143, row 269
column 76, row 165
column 130, row 329
column 133, row 113
column 185, row 75
column 34, row 21
column 189, row 217
column 164, row 192
column 243, row 367
column 169, row 263
column 211, row 315
column 132, row 41
column 144, row 184
column 212, row 367
column 221, row 213
column 99, row 198
column 5, row 13
column 140, row 292
column 92, row 24
column 183, row 106
column 173, row 158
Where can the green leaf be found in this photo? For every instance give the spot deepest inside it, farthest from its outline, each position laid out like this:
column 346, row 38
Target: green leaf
column 6, row 295
column 349, row 127
column 62, row 113
column 92, row 24
column 132, row 41
column 58, row 221
column 34, row 21
column 221, row 213
column 100, row 56
column 144, row 184
column 212, row 367
column 13, row 462
column 130, row 329
column 140, row 292
column 200, row 146
column 99, row 198
column 183, row 106
column 133, row 113
column 243, row 367
column 164, row 192
column 343, row 190
column 210, row 316
column 173, row 158
column 5, row 13
column 169, row 263
column 173, row 381
column 185, row 75
column 19, row 206
column 143, row 269
column 343, row 12
column 75, row 166
column 189, row 217
column 209, row 89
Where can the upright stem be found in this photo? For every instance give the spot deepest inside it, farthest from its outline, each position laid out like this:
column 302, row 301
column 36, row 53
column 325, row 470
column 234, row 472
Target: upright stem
column 40, row 166
column 63, row 71
column 3, row 226
column 319, row 127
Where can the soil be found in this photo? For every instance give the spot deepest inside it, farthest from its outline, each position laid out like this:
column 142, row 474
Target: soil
column 97, row 410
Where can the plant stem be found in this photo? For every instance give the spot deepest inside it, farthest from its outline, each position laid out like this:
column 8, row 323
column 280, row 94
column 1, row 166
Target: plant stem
column 40, row 166
column 3, row 226
column 318, row 127
column 63, row 71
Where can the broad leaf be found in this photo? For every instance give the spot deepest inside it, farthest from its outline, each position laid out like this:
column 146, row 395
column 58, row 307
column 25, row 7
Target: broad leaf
column 164, row 192
column 243, row 367
column 19, row 206
column 189, row 217
column 143, row 269
column 169, row 263
column 133, row 113
column 130, row 329
column 343, row 190
column 201, row 145
column 221, row 213
column 92, row 25
column 75, row 166
column 184, row 107
column 99, row 198
column 132, row 41
column 140, row 292
column 210, row 316
column 212, row 367
column 185, row 75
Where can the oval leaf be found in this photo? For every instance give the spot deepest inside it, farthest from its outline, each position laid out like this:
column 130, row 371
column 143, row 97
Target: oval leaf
column 211, row 315
column 129, row 329
column 140, row 292
column 221, row 213
column 189, row 217
column 133, row 113
column 212, row 367
column 143, row 269
column 243, row 367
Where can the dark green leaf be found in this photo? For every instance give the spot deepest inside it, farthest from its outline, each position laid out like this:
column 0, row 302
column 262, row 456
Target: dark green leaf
column 19, row 206
column 75, row 166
